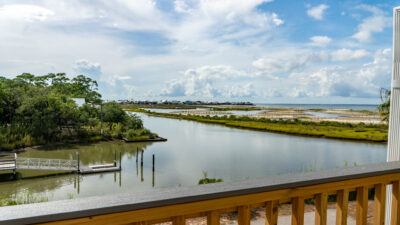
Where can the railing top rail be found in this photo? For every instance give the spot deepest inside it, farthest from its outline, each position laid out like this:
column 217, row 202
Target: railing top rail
column 90, row 206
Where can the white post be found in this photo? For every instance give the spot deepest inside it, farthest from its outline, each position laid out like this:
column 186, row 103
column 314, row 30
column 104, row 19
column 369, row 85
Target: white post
column 393, row 151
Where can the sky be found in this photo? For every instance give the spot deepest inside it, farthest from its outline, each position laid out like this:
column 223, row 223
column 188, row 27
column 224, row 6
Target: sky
column 262, row 51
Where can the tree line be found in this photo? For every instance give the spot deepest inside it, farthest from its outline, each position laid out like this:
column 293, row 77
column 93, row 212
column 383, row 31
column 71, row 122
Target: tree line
column 40, row 109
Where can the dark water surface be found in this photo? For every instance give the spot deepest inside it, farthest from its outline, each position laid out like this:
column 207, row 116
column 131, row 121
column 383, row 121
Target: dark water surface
column 192, row 148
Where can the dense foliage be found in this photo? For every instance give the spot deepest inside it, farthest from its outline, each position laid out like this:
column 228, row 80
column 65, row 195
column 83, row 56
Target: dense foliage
column 41, row 109
column 384, row 108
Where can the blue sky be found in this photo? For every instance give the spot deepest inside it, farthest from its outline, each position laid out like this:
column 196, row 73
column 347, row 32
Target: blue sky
column 264, row 51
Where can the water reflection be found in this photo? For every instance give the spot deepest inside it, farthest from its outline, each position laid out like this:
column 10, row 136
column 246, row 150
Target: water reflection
column 230, row 154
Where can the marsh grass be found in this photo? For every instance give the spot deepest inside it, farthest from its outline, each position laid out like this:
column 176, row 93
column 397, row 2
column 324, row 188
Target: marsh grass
column 26, row 197
column 327, row 129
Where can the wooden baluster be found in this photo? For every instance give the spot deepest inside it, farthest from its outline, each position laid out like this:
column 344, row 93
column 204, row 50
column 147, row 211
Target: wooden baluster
column 321, row 204
column 379, row 204
column 244, row 215
column 178, row 220
column 362, row 205
column 342, row 206
column 213, row 218
column 298, row 211
column 395, row 215
column 271, row 212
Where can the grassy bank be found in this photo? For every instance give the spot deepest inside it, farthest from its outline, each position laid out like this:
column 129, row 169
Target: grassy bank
column 327, row 129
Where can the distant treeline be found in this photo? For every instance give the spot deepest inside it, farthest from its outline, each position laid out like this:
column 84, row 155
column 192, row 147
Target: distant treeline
column 40, row 109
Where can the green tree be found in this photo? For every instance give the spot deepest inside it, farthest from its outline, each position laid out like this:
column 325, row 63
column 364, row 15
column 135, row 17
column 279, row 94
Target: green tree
column 384, row 107
column 113, row 113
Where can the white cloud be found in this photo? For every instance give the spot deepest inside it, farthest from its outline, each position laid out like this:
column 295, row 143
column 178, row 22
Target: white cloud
column 320, row 41
column 364, row 81
column 345, row 54
column 288, row 61
column 206, row 82
column 373, row 24
column 317, row 12
column 241, row 91
column 30, row 13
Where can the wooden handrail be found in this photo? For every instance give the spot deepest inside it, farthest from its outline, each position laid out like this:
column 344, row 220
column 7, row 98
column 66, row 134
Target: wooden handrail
column 179, row 204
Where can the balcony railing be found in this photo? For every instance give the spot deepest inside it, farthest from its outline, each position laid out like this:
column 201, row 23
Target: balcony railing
column 179, row 204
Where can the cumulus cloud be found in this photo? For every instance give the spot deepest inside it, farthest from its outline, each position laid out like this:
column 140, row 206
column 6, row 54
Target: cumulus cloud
column 364, row 81
column 373, row 24
column 276, row 64
column 320, row 41
column 30, row 13
column 349, row 55
column 317, row 12
column 205, row 81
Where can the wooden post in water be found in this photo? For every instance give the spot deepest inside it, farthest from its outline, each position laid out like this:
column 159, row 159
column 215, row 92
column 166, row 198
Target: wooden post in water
column 120, row 160
column 15, row 165
column 115, row 158
column 141, row 166
column 78, row 166
column 153, row 168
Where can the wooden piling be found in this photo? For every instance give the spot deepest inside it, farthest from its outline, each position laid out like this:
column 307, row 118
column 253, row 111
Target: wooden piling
column 153, row 169
column 141, row 158
column 115, row 158
column 78, row 164
column 141, row 166
column 120, row 160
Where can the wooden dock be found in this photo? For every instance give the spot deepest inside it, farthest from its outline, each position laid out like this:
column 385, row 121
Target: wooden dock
column 99, row 169
column 13, row 163
column 146, row 140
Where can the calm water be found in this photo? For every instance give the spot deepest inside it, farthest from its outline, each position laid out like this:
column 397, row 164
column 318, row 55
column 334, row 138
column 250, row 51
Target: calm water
column 192, row 148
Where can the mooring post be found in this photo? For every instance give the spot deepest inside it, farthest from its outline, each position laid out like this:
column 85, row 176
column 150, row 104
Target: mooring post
column 141, row 159
column 120, row 160
column 153, row 168
column 15, row 165
column 78, row 165
column 141, row 166
column 115, row 158
column 153, row 163
column 137, row 154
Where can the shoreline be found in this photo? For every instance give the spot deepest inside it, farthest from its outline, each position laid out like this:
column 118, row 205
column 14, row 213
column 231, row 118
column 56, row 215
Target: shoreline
column 376, row 133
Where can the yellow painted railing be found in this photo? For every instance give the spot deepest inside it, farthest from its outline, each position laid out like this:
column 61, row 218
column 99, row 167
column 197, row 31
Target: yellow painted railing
column 211, row 201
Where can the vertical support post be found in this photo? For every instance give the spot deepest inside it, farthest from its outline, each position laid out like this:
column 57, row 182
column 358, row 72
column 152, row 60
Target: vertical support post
column 395, row 214
column 393, row 151
column 321, row 205
column 298, row 211
column 115, row 158
column 120, row 160
column 362, row 205
column 271, row 212
column 141, row 167
column 178, row 220
column 15, row 165
column 141, row 158
column 379, row 204
column 244, row 215
column 79, row 169
column 153, row 168
column 213, row 218
column 342, row 206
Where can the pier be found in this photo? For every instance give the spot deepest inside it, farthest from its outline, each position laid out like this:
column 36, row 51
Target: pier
column 13, row 163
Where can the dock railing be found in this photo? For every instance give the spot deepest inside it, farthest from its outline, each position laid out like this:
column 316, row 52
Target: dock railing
column 210, row 200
